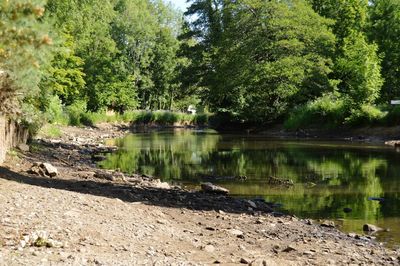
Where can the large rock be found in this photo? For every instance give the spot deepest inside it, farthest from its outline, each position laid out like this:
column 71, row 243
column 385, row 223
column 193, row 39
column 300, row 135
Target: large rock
column 50, row 169
column 211, row 188
column 371, row 228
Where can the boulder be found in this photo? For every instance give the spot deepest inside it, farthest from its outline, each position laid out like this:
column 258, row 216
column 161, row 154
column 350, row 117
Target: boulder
column 50, row 169
column 371, row 228
column 328, row 223
column 211, row 188
column 347, row 209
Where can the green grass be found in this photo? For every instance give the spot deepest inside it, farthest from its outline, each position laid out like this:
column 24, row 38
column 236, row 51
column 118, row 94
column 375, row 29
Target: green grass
column 50, row 131
column 78, row 117
column 329, row 112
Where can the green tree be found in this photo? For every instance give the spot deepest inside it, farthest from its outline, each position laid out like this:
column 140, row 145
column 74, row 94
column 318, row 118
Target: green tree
column 359, row 70
column 261, row 58
column 384, row 29
column 23, row 41
column 64, row 76
column 357, row 66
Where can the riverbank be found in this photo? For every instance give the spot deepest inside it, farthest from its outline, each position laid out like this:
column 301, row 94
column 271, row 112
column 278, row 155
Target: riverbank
column 378, row 135
column 97, row 217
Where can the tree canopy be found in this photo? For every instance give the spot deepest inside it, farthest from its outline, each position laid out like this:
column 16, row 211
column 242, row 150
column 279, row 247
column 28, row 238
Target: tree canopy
column 255, row 61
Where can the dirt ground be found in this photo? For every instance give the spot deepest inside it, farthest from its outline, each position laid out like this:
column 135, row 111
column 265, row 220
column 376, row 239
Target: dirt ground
column 88, row 216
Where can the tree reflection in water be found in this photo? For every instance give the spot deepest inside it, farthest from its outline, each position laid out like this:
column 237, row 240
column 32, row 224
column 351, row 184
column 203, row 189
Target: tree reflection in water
column 328, row 176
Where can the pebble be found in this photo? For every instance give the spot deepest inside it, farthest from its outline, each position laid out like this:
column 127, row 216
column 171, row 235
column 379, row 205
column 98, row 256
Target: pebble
column 209, row 248
column 245, row 261
column 235, row 232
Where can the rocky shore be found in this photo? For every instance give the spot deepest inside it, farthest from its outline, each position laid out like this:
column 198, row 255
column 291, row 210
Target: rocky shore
column 58, row 208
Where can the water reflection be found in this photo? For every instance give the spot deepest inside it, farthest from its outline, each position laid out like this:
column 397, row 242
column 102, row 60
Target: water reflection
column 328, row 176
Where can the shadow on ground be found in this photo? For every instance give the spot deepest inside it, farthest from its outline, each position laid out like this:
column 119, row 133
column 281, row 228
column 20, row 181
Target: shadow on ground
column 175, row 197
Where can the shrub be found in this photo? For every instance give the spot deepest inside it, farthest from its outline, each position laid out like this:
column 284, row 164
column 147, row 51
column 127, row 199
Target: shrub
column 365, row 115
column 54, row 112
column 327, row 110
column 75, row 112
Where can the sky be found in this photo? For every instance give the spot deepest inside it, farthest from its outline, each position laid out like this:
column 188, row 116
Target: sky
column 180, row 4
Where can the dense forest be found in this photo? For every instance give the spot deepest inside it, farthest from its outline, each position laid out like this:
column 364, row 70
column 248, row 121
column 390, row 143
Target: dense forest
column 297, row 62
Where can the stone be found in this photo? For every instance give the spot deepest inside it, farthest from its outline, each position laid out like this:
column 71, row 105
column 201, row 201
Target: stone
column 245, row 261
column 252, row 204
column 162, row 185
column 209, row 248
column 308, row 253
column 289, row 249
column 376, row 199
column 327, row 223
column 50, row 169
column 211, row 188
column 23, row 147
column 371, row 228
column 235, row 232
column 104, row 175
column 262, row 262
column 347, row 210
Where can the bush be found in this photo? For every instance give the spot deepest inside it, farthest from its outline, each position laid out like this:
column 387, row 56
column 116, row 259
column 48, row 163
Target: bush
column 393, row 116
column 366, row 115
column 75, row 112
column 328, row 110
column 54, row 112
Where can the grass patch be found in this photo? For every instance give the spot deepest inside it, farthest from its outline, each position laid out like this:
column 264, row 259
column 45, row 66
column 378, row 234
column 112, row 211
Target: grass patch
column 50, row 131
column 162, row 118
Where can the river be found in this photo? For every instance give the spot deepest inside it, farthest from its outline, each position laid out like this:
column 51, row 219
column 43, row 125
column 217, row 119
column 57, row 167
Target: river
column 328, row 176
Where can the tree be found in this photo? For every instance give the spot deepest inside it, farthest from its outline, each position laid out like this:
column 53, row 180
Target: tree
column 384, row 29
column 23, row 42
column 64, row 76
column 262, row 57
column 359, row 70
column 357, row 65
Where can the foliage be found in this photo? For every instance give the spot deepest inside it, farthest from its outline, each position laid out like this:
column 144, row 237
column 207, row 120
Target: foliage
column 365, row 115
column 23, row 38
column 328, row 110
column 250, row 62
column 359, row 70
column 75, row 112
column 384, row 28
column 274, row 55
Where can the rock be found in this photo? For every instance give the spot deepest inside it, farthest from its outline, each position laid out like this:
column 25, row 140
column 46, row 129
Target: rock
column 104, row 175
column 49, row 169
column 278, row 181
column 308, row 253
column 209, row 248
column 371, row 228
column 235, row 232
column 289, row 249
column 352, row 235
column 263, row 262
column 376, row 199
column 98, row 157
column 211, row 188
column 328, row 223
column 245, row 261
column 252, row 204
column 347, row 210
column 23, row 147
column 162, row 185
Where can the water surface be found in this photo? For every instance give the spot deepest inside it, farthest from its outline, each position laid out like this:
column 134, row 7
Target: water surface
column 329, row 176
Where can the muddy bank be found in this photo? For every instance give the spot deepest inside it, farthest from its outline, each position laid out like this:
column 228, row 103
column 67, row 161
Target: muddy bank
column 379, row 135
column 87, row 216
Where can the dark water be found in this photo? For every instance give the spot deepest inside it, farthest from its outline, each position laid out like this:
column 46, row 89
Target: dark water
column 328, row 176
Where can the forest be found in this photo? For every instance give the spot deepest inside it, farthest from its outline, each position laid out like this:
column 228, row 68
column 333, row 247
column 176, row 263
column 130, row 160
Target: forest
column 299, row 63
